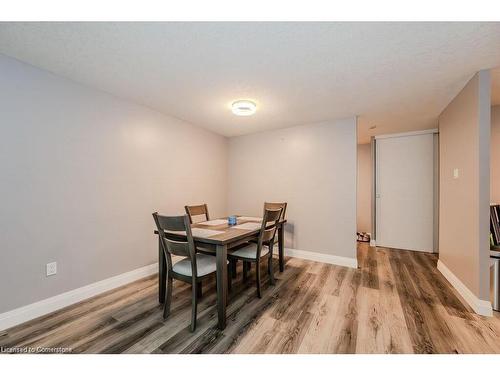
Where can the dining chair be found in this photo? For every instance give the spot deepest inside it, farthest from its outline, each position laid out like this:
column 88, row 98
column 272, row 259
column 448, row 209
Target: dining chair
column 192, row 269
column 267, row 206
column 254, row 252
column 275, row 206
column 201, row 211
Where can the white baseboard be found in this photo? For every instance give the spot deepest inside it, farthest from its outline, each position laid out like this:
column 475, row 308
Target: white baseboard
column 480, row 306
column 23, row 314
column 320, row 257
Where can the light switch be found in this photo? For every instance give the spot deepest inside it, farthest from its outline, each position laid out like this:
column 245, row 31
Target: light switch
column 455, row 173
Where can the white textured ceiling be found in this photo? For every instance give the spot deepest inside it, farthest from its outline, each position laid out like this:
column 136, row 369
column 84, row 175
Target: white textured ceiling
column 397, row 76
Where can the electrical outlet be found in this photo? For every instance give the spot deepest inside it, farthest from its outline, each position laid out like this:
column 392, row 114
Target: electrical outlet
column 456, row 173
column 51, row 268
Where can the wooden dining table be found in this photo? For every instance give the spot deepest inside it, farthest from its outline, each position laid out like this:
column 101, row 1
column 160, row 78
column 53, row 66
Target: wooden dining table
column 220, row 236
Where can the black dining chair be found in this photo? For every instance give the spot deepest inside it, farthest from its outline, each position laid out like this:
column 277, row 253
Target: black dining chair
column 192, row 269
column 254, row 252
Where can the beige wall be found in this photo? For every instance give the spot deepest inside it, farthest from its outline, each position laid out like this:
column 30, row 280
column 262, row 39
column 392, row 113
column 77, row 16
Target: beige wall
column 464, row 202
column 364, row 197
column 81, row 173
column 313, row 168
column 495, row 155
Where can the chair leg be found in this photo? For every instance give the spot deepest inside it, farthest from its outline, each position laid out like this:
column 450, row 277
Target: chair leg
column 230, row 277
column 245, row 270
column 270, row 270
column 168, row 298
column 257, row 276
column 233, row 263
column 199, row 290
column 194, row 306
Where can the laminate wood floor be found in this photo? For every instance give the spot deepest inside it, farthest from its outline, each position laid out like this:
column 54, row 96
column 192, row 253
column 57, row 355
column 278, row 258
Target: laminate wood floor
column 396, row 302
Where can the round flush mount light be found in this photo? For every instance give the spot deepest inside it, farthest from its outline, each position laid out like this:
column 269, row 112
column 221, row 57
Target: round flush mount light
column 243, row 107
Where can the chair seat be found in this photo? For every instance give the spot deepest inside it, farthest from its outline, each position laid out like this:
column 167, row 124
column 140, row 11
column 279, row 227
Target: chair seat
column 250, row 251
column 206, row 264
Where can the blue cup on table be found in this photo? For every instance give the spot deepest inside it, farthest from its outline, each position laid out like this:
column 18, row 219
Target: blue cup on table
column 231, row 220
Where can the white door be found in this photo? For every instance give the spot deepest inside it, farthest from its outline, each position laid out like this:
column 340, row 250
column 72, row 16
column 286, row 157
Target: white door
column 405, row 192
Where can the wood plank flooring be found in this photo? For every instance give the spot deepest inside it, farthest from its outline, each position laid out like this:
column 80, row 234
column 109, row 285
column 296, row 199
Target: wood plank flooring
column 396, row 302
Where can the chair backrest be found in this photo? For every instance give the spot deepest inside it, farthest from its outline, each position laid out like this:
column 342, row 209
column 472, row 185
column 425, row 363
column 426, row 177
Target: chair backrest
column 201, row 209
column 268, row 231
column 275, row 206
column 171, row 244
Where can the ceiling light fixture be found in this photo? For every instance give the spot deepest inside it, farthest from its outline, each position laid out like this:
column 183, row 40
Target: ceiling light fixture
column 243, row 108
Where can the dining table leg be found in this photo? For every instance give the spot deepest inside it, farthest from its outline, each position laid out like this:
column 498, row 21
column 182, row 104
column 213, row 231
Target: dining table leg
column 162, row 274
column 281, row 247
column 221, row 259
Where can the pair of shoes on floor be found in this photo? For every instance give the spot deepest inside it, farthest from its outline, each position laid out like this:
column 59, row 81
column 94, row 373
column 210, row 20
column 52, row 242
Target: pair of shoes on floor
column 363, row 237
